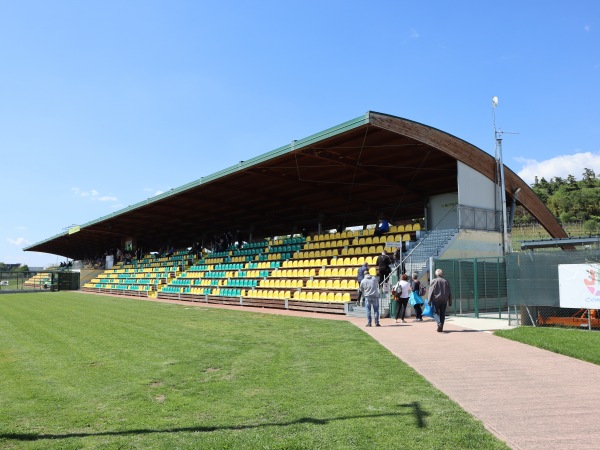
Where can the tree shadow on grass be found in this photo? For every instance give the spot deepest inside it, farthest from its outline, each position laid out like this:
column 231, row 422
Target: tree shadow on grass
column 415, row 410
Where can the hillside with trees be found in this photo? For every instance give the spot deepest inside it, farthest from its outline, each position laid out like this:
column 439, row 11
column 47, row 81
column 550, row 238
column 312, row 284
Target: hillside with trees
column 569, row 200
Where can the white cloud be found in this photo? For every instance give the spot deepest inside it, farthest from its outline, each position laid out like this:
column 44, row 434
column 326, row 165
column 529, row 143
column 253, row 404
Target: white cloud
column 587, row 28
column 19, row 241
column 413, row 34
column 559, row 166
column 93, row 194
column 153, row 192
column 20, row 228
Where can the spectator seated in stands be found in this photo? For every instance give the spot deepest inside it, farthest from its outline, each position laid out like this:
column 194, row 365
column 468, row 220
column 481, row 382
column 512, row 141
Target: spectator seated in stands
column 170, row 252
column 382, row 227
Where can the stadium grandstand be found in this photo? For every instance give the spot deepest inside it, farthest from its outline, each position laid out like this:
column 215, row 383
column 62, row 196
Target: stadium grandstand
column 301, row 219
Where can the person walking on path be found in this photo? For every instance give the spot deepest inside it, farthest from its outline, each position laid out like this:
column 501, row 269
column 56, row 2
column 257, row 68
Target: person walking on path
column 401, row 293
column 417, row 289
column 440, row 295
column 369, row 287
column 360, row 276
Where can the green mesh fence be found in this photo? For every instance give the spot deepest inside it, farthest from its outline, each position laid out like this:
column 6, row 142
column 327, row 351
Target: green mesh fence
column 533, row 289
column 478, row 286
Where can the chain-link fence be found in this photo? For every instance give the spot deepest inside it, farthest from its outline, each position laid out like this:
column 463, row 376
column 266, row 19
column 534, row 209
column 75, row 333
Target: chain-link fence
column 47, row 281
column 27, row 281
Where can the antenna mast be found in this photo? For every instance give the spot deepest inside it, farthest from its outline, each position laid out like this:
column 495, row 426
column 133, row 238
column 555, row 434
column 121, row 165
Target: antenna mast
column 500, row 165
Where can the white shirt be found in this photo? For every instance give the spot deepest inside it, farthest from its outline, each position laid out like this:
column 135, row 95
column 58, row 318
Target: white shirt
column 403, row 288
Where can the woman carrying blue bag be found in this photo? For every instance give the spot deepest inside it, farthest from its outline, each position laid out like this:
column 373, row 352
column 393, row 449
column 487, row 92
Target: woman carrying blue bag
column 415, row 300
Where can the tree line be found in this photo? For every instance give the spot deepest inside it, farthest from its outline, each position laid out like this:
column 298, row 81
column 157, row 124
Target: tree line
column 569, row 200
column 13, row 267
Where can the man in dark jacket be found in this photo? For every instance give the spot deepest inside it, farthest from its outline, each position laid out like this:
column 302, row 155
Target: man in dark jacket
column 440, row 295
column 383, row 266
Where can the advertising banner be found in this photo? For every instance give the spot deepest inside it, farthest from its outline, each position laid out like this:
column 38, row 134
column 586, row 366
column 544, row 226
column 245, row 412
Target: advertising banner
column 579, row 285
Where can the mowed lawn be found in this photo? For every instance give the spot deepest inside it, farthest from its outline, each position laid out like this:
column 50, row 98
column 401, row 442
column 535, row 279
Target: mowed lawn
column 580, row 344
column 86, row 371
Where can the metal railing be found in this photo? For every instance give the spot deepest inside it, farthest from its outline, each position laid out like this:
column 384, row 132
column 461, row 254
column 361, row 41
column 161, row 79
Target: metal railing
column 479, row 218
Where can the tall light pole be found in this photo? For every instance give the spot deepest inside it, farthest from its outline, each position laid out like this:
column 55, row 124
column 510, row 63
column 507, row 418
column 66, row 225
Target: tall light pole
column 500, row 165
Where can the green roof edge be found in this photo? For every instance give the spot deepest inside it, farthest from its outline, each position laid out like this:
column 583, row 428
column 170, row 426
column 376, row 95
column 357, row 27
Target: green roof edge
column 294, row 145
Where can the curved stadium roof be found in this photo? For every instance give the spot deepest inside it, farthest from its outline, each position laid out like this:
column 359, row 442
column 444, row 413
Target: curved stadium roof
column 345, row 175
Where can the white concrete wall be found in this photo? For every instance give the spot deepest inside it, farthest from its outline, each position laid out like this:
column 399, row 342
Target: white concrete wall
column 440, row 217
column 475, row 189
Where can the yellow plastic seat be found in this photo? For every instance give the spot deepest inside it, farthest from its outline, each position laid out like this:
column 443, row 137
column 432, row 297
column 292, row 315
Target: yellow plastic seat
column 338, row 297
column 416, row 227
column 330, row 297
column 346, row 297
column 344, row 284
column 406, row 237
column 408, row 227
column 336, row 284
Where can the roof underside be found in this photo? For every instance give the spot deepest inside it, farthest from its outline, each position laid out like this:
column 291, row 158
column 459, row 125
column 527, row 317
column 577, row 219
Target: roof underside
column 347, row 175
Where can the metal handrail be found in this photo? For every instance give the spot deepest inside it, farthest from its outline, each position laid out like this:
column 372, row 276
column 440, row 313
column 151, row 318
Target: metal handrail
column 395, row 266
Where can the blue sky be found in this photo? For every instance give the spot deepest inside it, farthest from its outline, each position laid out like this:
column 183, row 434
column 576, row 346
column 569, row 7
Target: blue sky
column 106, row 103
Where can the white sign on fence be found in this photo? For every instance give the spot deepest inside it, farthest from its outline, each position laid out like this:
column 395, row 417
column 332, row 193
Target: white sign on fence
column 579, row 285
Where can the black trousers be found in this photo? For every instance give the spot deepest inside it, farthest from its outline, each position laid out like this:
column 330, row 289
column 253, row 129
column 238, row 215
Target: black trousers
column 401, row 309
column 383, row 273
column 418, row 311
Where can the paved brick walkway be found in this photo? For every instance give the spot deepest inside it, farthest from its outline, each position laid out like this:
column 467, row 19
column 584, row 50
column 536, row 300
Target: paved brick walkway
column 529, row 398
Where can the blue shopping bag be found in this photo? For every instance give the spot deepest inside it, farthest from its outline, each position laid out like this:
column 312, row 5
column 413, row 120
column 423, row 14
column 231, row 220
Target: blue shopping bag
column 428, row 310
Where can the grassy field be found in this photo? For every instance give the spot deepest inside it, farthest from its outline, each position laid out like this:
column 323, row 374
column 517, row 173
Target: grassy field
column 83, row 371
column 580, row 344
column 531, row 232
